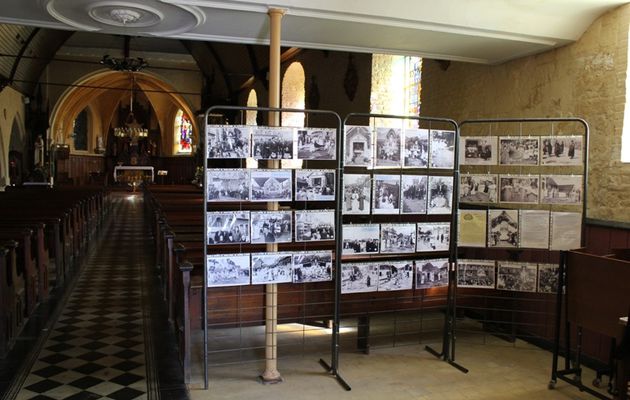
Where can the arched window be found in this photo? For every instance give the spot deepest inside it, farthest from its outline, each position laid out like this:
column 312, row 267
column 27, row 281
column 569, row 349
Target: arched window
column 252, row 101
column 80, row 131
column 293, row 94
column 183, row 133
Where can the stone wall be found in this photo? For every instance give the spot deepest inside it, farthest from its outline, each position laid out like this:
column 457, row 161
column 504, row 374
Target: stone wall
column 585, row 79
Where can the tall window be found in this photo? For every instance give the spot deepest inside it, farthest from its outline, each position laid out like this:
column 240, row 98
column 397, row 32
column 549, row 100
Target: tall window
column 80, row 131
column 252, row 101
column 183, row 133
column 395, row 87
column 293, row 94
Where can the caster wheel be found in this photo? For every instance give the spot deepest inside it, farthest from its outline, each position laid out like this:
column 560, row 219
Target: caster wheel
column 551, row 385
column 597, row 382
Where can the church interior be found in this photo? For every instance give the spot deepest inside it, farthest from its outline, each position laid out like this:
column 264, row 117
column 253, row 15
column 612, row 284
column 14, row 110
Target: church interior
column 239, row 199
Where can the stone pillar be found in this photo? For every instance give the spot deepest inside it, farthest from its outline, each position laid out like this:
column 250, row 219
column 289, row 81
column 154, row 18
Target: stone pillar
column 271, row 373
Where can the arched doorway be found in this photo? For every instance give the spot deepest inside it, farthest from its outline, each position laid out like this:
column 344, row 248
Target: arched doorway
column 17, row 158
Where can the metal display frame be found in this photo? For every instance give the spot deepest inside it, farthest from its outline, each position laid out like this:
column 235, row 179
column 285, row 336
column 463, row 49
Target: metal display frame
column 561, row 289
column 333, row 367
column 447, row 352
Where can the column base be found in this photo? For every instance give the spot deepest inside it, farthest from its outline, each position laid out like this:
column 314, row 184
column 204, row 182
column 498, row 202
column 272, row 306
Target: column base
column 270, row 378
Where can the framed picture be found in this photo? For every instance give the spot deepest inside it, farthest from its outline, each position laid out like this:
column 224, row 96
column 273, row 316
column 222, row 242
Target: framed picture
column 433, row 236
column 271, row 185
column 566, row 231
column 271, row 226
column 503, row 228
column 312, row 266
column 476, row 274
column 228, row 270
column 358, row 146
column 520, row 277
column 416, row 148
column 226, row 141
column 316, row 144
column 359, row 278
column 228, row 184
column 272, row 268
column 440, row 195
column 472, row 226
column 475, row 188
column 272, row 143
column 398, row 238
column 395, row 275
column 431, row 273
column 478, row 150
column 361, row 239
column 414, row 194
column 315, row 185
column 561, row 189
column 562, row 150
column 518, row 150
column 386, row 194
column 548, row 278
column 356, row 193
column 534, row 229
column 388, row 147
column 442, row 147
column 228, row 227
column 314, row 225
column 519, row 189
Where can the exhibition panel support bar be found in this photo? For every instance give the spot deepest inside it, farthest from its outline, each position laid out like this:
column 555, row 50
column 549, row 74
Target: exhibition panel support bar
column 318, row 294
column 511, row 283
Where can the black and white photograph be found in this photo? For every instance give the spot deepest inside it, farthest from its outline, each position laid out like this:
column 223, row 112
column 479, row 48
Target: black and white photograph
column 388, row 147
column 225, row 141
column 271, row 185
column 359, row 278
column 358, row 146
column 315, row 185
column 416, row 148
column 314, row 225
column 561, row 189
column 228, row 227
column 548, row 278
column 228, row 184
column 414, row 194
column 357, row 192
column 477, row 188
column 503, row 228
column 395, row 275
column 431, row 273
column 561, row 150
column 386, row 194
column 519, row 189
column 442, row 145
column 272, row 143
column 271, row 226
column 314, row 266
column 227, row 269
column 272, row 268
column 433, row 236
column 316, row 144
column 518, row 150
column 566, row 231
column 476, row 274
column 440, row 195
column 398, row 238
column 478, row 150
column 361, row 239
column 519, row 277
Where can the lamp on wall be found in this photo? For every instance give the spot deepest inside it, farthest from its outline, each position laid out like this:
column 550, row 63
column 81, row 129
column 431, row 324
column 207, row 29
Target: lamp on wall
column 130, row 127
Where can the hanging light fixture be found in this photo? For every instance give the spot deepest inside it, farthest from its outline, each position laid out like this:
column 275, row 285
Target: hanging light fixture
column 130, row 127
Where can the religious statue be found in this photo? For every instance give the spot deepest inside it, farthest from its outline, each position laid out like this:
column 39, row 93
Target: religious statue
column 38, row 158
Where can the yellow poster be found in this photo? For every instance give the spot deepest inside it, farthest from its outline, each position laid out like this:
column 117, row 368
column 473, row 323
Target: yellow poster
column 472, row 228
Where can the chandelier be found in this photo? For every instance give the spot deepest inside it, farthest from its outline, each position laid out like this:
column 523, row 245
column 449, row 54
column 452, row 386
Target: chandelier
column 131, row 128
column 130, row 64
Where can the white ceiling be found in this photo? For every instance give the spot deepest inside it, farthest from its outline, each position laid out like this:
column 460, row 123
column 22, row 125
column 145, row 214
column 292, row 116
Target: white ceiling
column 481, row 31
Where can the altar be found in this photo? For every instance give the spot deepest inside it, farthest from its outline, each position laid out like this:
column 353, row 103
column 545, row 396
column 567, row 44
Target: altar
column 133, row 175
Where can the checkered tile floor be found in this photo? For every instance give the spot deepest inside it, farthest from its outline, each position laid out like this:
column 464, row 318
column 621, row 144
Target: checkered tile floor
column 96, row 348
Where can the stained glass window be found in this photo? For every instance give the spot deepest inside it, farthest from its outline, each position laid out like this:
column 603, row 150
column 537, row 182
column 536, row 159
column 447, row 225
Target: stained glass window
column 183, row 133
